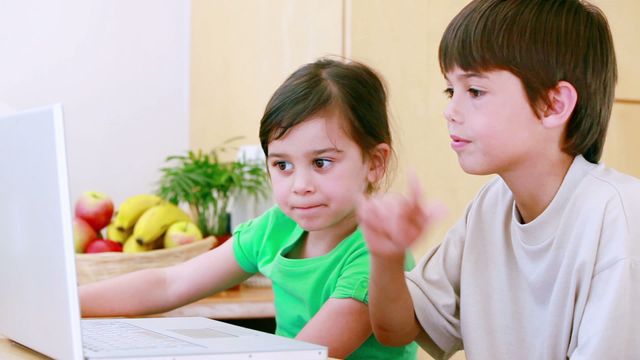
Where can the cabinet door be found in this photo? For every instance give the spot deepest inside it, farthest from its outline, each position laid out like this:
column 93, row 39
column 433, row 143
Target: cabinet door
column 622, row 148
column 242, row 50
column 623, row 18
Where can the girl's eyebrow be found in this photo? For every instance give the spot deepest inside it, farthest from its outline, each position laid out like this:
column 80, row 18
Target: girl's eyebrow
column 326, row 150
column 314, row 152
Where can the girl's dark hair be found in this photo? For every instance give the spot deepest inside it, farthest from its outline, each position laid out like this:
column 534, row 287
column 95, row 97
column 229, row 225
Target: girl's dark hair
column 542, row 42
column 351, row 88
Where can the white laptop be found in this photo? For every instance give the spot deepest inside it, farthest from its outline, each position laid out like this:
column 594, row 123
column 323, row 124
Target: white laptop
column 39, row 305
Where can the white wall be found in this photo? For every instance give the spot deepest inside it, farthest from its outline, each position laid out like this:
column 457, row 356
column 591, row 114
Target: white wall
column 121, row 70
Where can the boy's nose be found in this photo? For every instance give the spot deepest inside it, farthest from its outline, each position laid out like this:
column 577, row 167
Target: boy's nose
column 450, row 112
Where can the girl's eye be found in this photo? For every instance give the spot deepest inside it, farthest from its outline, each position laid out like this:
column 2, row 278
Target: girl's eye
column 475, row 92
column 448, row 92
column 322, row 163
column 283, row 165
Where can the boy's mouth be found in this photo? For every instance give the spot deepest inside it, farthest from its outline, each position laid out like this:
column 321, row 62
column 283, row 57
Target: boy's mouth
column 457, row 143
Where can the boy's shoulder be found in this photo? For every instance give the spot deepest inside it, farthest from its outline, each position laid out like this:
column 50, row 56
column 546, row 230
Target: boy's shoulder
column 587, row 184
column 617, row 191
column 625, row 186
column 616, row 197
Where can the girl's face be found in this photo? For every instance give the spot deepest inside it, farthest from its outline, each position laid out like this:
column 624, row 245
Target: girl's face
column 492, row 127
column 318, row 174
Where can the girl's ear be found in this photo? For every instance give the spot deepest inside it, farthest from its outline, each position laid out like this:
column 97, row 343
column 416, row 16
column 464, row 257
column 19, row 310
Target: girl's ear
column 563, row 101
column 378, row 161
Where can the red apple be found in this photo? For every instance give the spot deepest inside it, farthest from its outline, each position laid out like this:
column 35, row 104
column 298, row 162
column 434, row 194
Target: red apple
column 83, row 234
column 103, row 245
column 95, row 208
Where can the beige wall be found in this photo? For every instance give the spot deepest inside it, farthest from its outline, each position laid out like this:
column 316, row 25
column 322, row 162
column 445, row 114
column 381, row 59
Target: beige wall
column 400, row 39
column 623, row 18
column 242, row 50
column 622, row 148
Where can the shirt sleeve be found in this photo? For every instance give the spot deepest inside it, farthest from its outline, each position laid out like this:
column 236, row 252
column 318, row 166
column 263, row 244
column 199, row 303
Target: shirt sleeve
column 243, row 249
column 249, row 237
column 434, row 286
column 354, row 278
column 610, row 326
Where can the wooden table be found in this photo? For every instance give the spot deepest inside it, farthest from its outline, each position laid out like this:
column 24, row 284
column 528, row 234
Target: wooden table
column 11, row 351
column 246, row 303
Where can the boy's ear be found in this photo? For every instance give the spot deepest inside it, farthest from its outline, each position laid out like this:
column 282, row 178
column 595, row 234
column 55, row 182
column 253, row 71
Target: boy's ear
column 563, row 100
column 378, row 160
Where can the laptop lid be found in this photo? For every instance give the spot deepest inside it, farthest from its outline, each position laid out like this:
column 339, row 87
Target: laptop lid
column 39, row 305
column 38, row 296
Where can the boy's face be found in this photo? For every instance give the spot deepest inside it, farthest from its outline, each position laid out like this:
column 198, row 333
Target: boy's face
column 318, row 174
column 492, row 127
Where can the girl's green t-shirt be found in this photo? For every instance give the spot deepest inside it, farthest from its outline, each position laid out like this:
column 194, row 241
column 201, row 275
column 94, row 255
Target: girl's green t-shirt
column 302, row 286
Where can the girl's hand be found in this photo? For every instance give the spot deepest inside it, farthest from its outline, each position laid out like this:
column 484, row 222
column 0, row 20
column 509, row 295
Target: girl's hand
column 392, row 222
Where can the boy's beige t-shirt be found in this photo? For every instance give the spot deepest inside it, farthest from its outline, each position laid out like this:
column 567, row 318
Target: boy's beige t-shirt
column 566, row 285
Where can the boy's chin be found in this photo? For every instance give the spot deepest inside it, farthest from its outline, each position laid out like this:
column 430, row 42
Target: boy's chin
column 473, row 168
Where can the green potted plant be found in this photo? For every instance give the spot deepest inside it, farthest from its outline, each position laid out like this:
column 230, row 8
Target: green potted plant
column 208, row 185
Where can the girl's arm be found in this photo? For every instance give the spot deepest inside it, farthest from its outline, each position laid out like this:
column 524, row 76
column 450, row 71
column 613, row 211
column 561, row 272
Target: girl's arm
column 342, row 325
column 157, row 290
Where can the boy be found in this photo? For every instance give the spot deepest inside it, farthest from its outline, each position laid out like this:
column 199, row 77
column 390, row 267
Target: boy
column 545, row 263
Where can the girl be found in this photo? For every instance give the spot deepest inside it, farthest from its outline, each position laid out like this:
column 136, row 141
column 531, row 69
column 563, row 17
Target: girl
column 325, row 134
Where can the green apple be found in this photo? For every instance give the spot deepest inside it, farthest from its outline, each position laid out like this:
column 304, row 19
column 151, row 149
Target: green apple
column 181, row 233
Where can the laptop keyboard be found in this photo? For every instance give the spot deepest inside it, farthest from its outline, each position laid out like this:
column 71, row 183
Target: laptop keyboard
column 100, row 336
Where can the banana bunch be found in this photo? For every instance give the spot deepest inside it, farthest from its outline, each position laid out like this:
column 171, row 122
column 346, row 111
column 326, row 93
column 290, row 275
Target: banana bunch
column 116, row 234
column 132, row 209
column 142, row 221
column 132, row 246
column 156, row 220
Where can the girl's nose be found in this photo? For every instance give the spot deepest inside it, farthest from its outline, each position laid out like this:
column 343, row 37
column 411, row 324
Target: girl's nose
column 302, row 183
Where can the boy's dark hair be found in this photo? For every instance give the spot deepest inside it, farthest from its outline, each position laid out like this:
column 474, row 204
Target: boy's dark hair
column 353, row 89
column 542, row 42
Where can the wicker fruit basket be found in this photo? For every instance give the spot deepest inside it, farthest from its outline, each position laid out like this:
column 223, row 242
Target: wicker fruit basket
column 94, row 267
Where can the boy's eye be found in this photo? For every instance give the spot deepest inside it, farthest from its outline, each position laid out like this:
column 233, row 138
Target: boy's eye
column 322, row 163
column 448, row 92
column 283, row 165
column 475, row 92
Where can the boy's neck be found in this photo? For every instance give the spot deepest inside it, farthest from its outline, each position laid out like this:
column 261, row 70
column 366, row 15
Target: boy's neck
column 535, row 185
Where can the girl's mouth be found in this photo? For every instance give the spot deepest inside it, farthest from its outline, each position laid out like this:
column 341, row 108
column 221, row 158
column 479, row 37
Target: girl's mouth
column 307, row 207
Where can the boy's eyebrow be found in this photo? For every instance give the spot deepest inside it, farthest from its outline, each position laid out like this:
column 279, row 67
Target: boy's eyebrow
column 473, row 74
column 470, row 74
column 314, row 152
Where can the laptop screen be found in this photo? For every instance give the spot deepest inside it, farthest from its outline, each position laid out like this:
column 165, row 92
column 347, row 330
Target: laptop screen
column 39, row 303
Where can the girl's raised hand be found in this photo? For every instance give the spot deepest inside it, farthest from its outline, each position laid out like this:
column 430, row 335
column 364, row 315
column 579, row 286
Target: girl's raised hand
column 392, row 222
